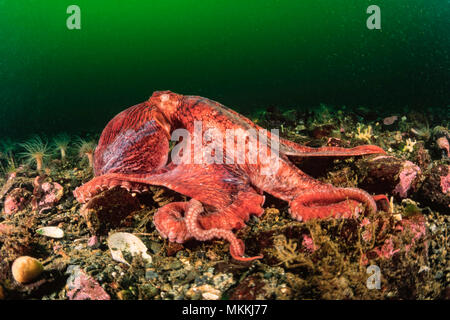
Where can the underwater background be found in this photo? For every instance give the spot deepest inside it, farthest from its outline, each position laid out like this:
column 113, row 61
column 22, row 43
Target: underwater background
column 310, row 68
column 248, row 55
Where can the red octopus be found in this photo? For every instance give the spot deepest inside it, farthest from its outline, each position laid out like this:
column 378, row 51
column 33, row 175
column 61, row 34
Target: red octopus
column 133, row 152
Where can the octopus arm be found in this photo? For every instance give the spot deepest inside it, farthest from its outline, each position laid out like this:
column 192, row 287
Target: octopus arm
column 293, row 149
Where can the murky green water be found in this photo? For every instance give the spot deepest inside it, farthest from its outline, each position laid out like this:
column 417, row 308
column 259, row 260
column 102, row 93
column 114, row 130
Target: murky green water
column 245, row 54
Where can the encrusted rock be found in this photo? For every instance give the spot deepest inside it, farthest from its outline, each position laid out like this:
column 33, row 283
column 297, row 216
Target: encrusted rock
column 414, row 227
column 45, row 194
column 108, row 209
column 16, row 200
column 443, row 144
column 435, row 190
column 386, row 174
column 80, row 286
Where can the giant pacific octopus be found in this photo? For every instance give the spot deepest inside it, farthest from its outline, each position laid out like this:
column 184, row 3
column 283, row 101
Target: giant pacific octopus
column 133, row 152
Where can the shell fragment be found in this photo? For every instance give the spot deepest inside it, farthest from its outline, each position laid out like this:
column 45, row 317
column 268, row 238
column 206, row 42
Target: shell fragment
column 51, row 232
column 123, row 242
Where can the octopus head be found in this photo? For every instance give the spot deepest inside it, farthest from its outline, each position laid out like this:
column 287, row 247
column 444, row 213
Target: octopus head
column 166, row 101
column 164, row 105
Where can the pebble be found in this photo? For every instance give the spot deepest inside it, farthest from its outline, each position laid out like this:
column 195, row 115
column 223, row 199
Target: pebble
column 176, row 265
column 424, row 269
column 93, row 242
column 150, row 274
column 124, row 295
column 150, row 291
column 102, row 277
column 433, row 228
column 207, row 292
column 439, row 275
column 91, row 268
column 155, row 247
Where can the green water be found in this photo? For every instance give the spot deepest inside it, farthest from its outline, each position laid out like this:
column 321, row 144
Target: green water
column 246, row 54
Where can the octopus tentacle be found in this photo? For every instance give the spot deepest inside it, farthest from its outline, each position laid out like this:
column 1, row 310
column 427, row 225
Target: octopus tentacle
column 237, row 246
column 291, row 148
column 101, row 183
column 181, row 221
column 235, row 215
column 232, row 202
column 335, row 202
column 169, row 222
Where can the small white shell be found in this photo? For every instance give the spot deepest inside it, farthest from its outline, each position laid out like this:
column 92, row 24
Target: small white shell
column 124, row 241
column 51, row 232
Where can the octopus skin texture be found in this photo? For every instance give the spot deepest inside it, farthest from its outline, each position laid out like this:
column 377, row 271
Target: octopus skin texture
column 133, row 152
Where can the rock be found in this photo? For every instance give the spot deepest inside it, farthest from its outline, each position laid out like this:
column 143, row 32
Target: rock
column 390, row 120
column 108, row 209
column 435, row 190
column 149, row 291
column 93, row 242
column 413, row 226
column 124, row 295
column 386, row 174
column 150, row 274
column 443, row 144
column 407, row 176
column 421, row 156
column 176, row 264
column 6, row 229
column 308, row 243
column 25, row 269
column 16, row 200
column 45, row 194
column 206, row 291
column 8, row 185
column 155, row 247
column 445, row 182
column 80, row 286
column 251, row 288
column 173, row 247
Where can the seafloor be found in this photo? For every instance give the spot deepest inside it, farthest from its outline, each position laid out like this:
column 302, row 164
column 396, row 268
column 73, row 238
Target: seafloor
column 325, row 259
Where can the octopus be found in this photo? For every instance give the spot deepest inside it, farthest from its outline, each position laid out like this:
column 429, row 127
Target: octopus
column 134, row 151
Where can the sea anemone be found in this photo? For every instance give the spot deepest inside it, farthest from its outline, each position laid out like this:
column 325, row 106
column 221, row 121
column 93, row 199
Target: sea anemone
column 61, row 144
column 7, row 148
column 37, row 151
column 424, row 132
column 86, row 149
